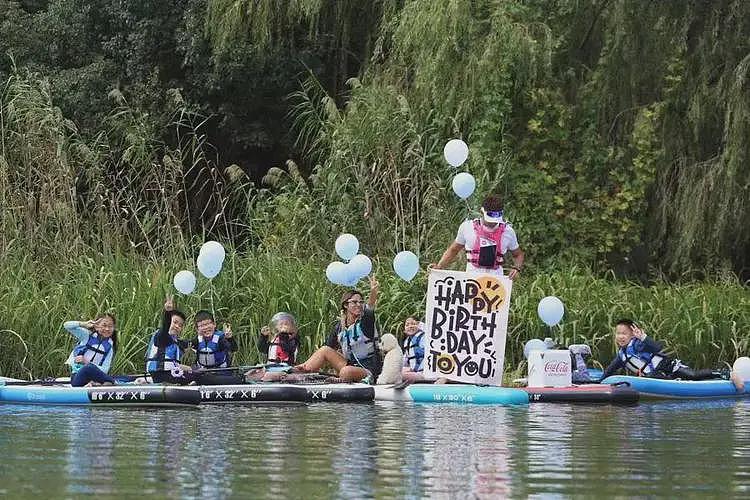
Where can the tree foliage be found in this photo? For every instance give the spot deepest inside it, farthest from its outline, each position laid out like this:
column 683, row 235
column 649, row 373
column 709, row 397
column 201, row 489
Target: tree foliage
column 616, row 130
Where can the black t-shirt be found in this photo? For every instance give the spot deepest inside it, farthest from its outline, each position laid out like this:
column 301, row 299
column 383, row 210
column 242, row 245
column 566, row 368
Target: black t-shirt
column 367, row 323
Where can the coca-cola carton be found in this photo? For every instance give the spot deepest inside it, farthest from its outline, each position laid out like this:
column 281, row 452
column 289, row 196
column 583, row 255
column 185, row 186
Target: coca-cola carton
column 549, row 369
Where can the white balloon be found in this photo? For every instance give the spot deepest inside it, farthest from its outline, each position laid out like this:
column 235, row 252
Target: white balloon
column 741, row 367
column 184, row 282
column 336, row 273
column 213, row 249
column 550, row 310
column 406, row 265
column 361, row 264
column 352, row 275
column 533, row 345
column 209, row 265
column 464, row 185
column 347, row 246
column 456, row 152
column 351, row 281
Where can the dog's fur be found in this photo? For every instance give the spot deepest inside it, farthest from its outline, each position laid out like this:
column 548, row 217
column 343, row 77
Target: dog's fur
column 393, row 360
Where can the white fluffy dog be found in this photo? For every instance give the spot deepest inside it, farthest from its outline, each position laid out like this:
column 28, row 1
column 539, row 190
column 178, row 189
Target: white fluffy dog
column 393, row 360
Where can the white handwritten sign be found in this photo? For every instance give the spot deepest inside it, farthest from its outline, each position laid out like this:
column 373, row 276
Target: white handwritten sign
column 467, row 321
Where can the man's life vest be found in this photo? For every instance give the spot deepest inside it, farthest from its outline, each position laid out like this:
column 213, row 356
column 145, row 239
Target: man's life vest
column 486, row 251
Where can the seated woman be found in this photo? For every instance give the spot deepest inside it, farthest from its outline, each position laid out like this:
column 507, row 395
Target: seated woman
column 92, row 357
column 351, row 348
column 413, row 348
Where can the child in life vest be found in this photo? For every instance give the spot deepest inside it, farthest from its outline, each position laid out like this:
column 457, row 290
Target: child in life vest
column 641, row 355
column 284, row 345
column 213, row 348
column 413, row 347
column 91, row 359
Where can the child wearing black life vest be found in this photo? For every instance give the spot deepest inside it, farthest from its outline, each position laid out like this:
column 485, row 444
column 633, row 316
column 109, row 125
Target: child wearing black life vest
column 165, row 348
column 280, row 342
column 643, row 356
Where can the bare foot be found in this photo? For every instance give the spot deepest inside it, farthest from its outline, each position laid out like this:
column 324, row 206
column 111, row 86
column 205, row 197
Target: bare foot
column 273, row 376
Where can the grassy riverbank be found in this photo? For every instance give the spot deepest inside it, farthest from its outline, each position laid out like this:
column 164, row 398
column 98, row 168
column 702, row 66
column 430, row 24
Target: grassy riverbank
column 704, row 322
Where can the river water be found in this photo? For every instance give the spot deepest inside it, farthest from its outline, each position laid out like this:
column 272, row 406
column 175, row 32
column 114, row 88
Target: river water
column 378, row 450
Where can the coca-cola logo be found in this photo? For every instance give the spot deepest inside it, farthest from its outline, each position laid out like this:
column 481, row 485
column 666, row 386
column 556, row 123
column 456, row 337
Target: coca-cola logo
column 557, row 367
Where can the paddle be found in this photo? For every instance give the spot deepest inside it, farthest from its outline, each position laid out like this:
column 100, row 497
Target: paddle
column 401, row 385
column 46, row 381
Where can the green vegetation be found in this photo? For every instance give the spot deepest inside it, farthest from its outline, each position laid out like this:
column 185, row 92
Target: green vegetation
column 705, row 323
column 131, row 131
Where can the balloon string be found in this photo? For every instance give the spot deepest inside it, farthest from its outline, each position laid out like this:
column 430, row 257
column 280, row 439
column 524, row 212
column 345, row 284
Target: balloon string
column 211, row 296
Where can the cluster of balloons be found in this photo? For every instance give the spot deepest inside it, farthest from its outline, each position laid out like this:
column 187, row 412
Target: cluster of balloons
column 550, row 310
column 210, row 261
column 456, row 152
column 406, row 265
column 356, row 267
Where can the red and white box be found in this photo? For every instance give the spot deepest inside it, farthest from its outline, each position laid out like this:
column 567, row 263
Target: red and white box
column 549, row 369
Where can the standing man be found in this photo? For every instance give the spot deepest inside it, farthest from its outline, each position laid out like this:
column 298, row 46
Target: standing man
column 485, row 241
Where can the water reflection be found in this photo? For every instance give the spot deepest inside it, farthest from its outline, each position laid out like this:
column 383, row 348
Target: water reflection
column 90, row 446
column 379, row 450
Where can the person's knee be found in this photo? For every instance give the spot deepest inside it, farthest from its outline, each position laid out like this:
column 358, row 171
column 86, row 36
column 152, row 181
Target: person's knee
column 352, row 374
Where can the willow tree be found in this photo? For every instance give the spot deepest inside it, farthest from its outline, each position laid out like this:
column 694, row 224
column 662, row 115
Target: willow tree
column 341, row 32
column 610, row 123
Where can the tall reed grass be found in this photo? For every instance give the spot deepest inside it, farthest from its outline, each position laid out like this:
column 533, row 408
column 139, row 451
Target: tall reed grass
column 704, row 324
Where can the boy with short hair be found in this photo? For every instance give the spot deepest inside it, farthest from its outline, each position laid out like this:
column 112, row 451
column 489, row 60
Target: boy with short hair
column 643, row 356
column 212, row 347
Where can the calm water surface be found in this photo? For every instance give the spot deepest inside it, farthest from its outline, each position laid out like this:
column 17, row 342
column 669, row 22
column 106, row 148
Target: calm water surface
column 378, row 450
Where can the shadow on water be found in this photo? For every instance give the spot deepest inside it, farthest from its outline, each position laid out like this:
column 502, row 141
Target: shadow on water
column 379, row 450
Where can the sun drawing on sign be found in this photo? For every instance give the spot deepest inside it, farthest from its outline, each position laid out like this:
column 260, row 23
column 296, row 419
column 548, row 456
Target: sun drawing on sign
column 491, row 293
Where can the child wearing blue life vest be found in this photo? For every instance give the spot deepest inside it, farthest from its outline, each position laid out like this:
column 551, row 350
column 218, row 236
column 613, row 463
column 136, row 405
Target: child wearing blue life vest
column 91, row 359
column 413, row 347
column 164, row 352
column 213, row 348
column 643, row 356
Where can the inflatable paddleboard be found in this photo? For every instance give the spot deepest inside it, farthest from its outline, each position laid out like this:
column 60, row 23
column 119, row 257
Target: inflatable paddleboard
column 452, row 393
column 587, row 393
column 285, row 393
column 681, row 389
column 116, row 396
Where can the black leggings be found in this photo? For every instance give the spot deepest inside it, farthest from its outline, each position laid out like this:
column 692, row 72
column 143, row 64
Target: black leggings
column 672, row 369
column 687, row 373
